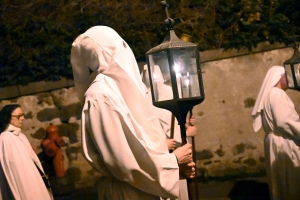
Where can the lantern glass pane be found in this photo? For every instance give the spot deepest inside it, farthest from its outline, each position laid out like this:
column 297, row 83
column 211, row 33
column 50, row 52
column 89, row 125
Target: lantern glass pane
column 160, row 75
column 297, row 73
column 185, row 67
column 289, row 75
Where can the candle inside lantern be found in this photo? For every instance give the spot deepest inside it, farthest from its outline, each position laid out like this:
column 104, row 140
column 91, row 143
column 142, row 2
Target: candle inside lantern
column 297, row 73
column 183, row 81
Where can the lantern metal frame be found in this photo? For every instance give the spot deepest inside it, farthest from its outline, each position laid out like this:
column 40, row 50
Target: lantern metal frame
column 292, row 70
column 178, row 106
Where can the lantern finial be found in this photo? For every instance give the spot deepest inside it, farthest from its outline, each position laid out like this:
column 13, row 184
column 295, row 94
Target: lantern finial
column 169, row 22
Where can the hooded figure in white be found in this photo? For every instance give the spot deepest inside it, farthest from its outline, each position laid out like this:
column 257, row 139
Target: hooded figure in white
column 173, row 136
column 275, row 112
column 19, row 165
column 121, row 137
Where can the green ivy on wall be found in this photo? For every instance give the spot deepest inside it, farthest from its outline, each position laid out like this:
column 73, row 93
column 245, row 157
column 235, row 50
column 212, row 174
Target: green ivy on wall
column 36, row 35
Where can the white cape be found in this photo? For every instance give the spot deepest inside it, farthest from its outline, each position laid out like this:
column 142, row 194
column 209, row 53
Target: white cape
column 19, row 176
column 282, row 145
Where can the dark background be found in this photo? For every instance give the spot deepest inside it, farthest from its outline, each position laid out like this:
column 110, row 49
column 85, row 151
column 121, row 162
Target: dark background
column 36, row 35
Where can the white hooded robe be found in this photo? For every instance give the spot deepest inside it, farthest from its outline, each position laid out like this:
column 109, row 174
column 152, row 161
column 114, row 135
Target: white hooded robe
column 121, row 137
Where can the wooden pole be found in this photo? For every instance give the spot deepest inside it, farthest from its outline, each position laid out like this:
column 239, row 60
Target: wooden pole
column 172, row 126
column 193, row 183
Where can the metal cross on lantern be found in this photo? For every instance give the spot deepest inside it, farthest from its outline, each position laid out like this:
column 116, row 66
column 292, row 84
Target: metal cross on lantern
column 174, row 66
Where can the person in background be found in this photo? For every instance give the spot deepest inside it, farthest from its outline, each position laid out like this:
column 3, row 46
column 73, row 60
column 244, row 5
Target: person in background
column 275, row 112
column 121, row 137
column 173, row 137
column 20, row 168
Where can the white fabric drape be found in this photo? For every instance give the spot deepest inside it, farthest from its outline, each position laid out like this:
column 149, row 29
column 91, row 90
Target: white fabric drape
column 282, row 145
column 121, row 137
column 19, row 176
column 271, row 79
column 165, row 92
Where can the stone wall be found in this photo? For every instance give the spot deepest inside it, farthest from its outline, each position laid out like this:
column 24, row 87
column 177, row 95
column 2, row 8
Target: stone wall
column 226, row 144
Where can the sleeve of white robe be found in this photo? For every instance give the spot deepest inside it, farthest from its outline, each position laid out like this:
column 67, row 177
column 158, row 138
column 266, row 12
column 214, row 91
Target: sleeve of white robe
column 20, row 171
column 121, row 152
column 285, row 114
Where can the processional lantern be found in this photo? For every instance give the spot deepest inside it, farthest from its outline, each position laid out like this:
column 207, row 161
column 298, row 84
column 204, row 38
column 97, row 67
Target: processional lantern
column 175, row 75
column 176, row 81
column 292, row 70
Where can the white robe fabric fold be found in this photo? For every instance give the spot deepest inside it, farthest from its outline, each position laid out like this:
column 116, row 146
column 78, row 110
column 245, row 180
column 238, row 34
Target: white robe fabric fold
column 281, row 123
column 165, row 118
column 271, row 79
column 114, row 144
column 19, row 176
